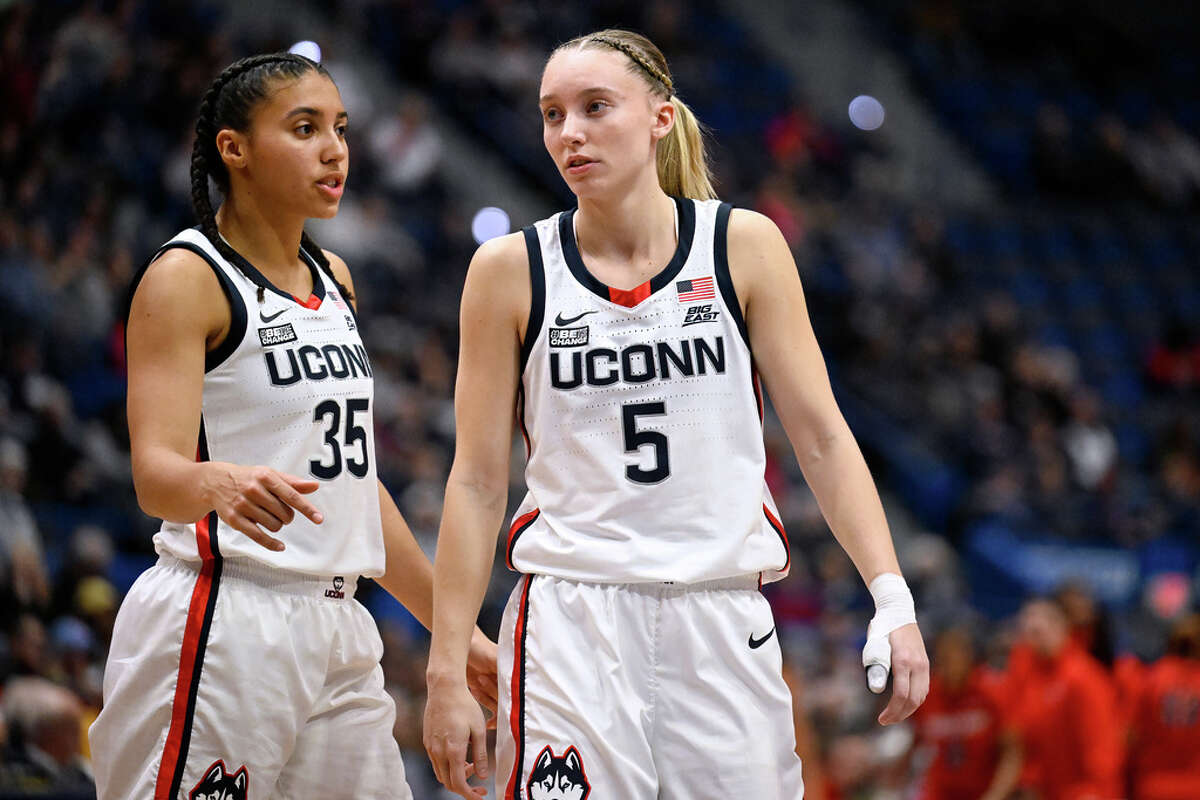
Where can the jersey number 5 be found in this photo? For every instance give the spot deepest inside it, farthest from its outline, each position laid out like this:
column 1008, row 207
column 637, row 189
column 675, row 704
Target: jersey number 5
column 329, row 413
column 635, row 440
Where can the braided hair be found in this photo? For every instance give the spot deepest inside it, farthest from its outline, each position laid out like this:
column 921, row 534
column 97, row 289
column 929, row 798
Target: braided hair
column 229, row 103
column 681, row 158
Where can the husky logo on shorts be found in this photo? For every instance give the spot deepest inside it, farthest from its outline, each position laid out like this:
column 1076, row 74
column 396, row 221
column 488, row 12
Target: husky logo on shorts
column 558, row 777
column 336, row 592
column 217, row 785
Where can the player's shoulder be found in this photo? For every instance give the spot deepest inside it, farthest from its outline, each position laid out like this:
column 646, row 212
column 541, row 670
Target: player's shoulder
column 178, row 274
column 759, row 257
column 182, row 286
column 502, row 258
column 752, row 231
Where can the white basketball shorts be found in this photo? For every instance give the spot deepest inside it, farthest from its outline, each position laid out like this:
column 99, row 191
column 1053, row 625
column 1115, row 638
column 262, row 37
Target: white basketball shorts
column 243, row 681
column 643, row 692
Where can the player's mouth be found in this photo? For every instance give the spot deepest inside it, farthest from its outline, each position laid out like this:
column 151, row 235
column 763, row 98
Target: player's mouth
column 332, row 186
column 578, row 165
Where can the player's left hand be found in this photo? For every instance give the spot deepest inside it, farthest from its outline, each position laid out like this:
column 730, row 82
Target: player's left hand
column 482, row 675
column 910, row 674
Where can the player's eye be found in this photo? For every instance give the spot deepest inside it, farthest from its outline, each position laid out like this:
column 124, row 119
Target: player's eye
column 304, row 129
column 551, row 114
column 596, row 105
column 341, row 129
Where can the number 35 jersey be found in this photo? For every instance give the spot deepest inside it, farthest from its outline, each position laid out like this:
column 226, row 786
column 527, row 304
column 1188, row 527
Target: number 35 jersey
column 642, row 415
column 290, row 388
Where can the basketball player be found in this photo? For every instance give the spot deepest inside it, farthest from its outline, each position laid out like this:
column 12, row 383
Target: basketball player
column 637, row 655
column 241, row 666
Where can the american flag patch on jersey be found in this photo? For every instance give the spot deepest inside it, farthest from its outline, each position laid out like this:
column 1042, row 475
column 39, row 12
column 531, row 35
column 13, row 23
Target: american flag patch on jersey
column 695, row 289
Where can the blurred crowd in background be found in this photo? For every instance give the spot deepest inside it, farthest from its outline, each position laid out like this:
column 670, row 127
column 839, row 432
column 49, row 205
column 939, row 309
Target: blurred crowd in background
column 1023, row 376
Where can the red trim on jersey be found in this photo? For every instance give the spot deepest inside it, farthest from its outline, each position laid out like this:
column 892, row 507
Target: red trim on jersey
column 516, row 717
column 629, row 297
column 312, row 302
column 778, row 526
column 518, row 527
column 189, row 666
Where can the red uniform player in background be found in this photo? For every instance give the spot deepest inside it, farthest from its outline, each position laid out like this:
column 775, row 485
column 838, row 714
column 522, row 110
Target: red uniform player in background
column 1165, row 757
column 1065, row 710
column 975, row 753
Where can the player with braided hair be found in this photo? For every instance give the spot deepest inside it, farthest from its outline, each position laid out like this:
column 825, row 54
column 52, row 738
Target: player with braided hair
column 637, row 654
column 241, row 663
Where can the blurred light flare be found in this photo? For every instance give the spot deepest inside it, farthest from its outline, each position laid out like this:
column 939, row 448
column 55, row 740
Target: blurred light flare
column 307, row 48
column 490, row 222
column 866, row 112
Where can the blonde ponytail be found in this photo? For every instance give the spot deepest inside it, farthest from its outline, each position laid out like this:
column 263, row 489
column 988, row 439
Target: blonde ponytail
column 681, row 159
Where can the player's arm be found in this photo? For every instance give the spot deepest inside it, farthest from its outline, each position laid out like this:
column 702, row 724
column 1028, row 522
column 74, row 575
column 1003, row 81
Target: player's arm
column 408, row 575
column 786, row 352
column 495, row 305
column 177, row 315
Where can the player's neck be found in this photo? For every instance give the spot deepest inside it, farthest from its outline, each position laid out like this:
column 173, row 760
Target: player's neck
column 629, row 226
column 270, row 243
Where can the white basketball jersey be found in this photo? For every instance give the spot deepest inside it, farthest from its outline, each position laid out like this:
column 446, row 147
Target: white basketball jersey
column 290, row 388
column 642, row 414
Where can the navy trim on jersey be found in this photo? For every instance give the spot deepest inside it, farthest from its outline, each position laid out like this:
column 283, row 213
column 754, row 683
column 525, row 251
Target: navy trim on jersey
column 721, row 267
column 258, row 279
column 237, row 309
column 537, row 285
column 570, row 248
column 202, row 444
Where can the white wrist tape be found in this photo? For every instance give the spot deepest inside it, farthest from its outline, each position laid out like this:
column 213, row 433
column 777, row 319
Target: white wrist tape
column 893, row 609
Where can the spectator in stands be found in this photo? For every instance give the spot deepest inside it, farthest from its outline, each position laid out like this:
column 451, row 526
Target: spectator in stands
column 1165, row 753
column 1065, row 712
column 46, row 733
column 22, row 568
column 976, row 755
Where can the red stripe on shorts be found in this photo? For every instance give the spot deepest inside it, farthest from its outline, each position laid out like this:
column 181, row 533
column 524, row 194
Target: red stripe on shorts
column 516, row 717
column 195, row 635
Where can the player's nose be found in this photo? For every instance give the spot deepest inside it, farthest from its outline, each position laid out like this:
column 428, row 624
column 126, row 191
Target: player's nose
column 572, row 131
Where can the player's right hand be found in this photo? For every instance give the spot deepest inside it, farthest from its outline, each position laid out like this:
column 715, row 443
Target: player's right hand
column 454, row 727
column 249, row 497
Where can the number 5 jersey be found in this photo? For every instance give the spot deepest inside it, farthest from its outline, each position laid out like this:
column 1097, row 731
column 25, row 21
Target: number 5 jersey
column 642, row 415
column 291, row 388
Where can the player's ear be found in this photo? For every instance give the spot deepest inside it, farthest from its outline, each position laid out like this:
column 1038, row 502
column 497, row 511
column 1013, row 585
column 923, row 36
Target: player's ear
column 231, row 145
column 545, row 758
column 572, row 759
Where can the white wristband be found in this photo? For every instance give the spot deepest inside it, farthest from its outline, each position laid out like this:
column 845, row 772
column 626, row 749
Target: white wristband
column 894, row 609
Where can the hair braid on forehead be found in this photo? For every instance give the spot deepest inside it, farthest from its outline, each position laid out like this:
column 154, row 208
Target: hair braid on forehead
column 637, row 58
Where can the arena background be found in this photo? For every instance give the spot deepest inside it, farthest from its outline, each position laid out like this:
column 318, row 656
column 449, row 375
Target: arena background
column 1004, row 277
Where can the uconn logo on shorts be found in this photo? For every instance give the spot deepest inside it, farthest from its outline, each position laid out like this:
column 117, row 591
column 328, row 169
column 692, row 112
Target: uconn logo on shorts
column 218, row 785
column 558, row 777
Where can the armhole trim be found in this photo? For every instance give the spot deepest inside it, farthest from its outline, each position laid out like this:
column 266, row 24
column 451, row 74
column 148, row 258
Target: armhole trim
column 721, row 267
column 537, row 285
column 237, row 307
